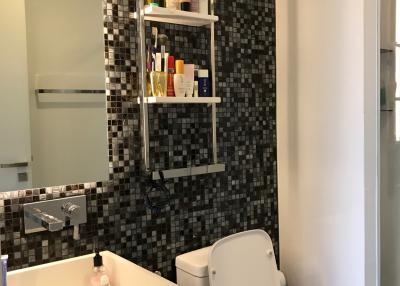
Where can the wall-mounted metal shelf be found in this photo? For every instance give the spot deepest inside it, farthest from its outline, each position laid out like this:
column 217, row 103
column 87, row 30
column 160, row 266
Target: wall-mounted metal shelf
column 165, row 15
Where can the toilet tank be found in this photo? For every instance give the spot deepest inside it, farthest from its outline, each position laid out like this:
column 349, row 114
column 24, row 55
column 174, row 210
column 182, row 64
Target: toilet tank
column 192, row 268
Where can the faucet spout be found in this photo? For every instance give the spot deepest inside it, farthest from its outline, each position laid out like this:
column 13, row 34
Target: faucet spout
column 54, row 215
column 49, row 222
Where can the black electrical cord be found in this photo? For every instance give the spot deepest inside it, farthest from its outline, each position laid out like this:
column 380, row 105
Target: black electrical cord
column 157, row 195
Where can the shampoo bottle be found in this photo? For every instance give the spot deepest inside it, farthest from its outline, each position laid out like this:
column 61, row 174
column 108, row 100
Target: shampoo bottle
column 99, row 277
column 179, row 79
column 204, row 83
column 189, row 80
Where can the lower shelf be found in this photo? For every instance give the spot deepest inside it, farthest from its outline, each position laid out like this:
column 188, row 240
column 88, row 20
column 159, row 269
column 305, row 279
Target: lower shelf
column 190, row 171
column 183, row 100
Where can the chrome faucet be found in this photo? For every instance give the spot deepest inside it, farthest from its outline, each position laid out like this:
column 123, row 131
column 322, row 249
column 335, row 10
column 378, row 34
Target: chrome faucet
column 54, row 215
column 49, row 222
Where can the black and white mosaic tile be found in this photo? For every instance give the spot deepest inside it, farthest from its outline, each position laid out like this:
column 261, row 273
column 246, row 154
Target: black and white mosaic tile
column 202, row 209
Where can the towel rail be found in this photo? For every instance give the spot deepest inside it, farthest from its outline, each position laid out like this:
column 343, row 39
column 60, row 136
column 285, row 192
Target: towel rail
column 69, row 91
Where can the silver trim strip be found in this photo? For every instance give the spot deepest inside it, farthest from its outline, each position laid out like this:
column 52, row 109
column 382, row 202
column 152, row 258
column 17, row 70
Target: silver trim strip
column 14, row 165
column 69, row 91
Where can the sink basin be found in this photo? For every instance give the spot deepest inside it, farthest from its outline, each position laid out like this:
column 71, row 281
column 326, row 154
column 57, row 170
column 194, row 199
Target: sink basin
column 77, row 272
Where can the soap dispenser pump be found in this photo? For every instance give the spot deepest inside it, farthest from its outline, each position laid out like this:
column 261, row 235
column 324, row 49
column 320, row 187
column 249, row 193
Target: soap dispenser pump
column 99, row 277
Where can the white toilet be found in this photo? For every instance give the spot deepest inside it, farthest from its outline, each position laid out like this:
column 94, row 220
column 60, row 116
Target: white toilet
column 243, row 259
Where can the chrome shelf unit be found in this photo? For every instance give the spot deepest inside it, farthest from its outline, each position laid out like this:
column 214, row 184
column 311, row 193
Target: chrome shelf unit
column 165, row 15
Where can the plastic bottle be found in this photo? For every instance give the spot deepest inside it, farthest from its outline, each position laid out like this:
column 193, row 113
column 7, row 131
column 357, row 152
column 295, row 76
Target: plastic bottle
column 189, row 80
column 203, row 7
column 99, row 277
column 171, row 73
column 204, row 83
column 179, row 79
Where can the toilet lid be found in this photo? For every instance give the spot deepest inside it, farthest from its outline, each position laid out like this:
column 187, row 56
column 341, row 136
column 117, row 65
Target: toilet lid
column 242, row 259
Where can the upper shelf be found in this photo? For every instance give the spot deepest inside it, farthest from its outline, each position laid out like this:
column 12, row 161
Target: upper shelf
column 166, row 15
column 181, row 100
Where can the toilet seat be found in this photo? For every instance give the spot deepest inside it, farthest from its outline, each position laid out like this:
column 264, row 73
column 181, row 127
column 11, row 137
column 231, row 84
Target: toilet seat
column 244, row 259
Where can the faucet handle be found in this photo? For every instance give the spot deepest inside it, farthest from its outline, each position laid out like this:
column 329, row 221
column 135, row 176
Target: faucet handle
column 70, row 209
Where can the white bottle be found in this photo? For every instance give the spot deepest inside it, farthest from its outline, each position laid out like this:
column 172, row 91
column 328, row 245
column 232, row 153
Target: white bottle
column 189, row 80
column 203, row 7
column 179, row 79
column 172, row 4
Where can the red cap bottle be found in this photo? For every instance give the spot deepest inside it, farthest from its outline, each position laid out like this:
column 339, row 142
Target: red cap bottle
column 171, row 64
column 171, row 72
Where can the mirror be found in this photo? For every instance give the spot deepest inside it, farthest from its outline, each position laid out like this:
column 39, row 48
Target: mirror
column 53, row 122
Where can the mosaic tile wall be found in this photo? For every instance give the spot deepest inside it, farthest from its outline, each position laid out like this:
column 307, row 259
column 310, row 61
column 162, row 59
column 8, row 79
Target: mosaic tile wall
column 202, row 209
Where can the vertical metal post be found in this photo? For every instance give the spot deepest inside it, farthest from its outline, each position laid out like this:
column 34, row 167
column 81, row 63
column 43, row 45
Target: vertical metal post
column 214, row 92
column 144, row 112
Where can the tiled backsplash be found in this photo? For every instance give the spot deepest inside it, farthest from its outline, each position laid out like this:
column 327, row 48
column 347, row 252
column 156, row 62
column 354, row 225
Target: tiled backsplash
column 203, row 208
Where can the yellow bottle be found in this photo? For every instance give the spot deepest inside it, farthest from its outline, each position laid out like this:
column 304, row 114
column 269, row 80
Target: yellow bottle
column 179, row 79
column 159, row 79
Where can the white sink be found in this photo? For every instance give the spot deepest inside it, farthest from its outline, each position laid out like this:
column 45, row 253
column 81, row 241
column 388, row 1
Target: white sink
column 77, row 272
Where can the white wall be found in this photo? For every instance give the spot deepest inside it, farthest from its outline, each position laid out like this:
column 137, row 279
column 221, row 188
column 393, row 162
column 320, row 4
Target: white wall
column 15, row 145
column 327, row 90
column 390, row 156
column 66, row 51
column 388, row 17
column 390, row 201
